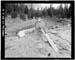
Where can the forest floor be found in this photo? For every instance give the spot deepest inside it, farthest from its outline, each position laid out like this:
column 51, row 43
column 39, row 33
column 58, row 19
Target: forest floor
column 34, row 45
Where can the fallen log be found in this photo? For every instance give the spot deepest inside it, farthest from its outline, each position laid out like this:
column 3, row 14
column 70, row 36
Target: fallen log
column 50, row 41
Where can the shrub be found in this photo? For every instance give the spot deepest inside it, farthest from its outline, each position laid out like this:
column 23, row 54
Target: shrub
column 13, row 15
column 22, row 16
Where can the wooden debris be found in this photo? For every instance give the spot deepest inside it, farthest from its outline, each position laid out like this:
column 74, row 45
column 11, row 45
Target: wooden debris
column 50, row 41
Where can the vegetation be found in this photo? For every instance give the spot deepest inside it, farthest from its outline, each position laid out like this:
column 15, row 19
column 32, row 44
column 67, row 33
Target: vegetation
column 21, row 10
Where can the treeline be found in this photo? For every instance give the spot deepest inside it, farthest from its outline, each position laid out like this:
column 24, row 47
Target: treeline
column 24, row 12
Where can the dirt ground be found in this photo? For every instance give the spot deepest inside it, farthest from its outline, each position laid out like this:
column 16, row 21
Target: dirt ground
column 35, row 45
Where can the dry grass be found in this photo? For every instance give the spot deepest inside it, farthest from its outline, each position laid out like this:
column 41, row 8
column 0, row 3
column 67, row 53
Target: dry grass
column 34, row 45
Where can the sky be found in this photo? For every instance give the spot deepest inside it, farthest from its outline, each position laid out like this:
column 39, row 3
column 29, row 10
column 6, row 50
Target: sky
column 46, row 5
column 57, row 5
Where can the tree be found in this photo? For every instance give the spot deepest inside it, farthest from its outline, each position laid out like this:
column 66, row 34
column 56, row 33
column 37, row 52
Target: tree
column 7, row 9
column 30, row 13
column 23, row 9
column 70, row 11
column 26, row 10
column 50, row 10
column 60, row 11
column 67, row 11
column 45, row 12
column 11, row 9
